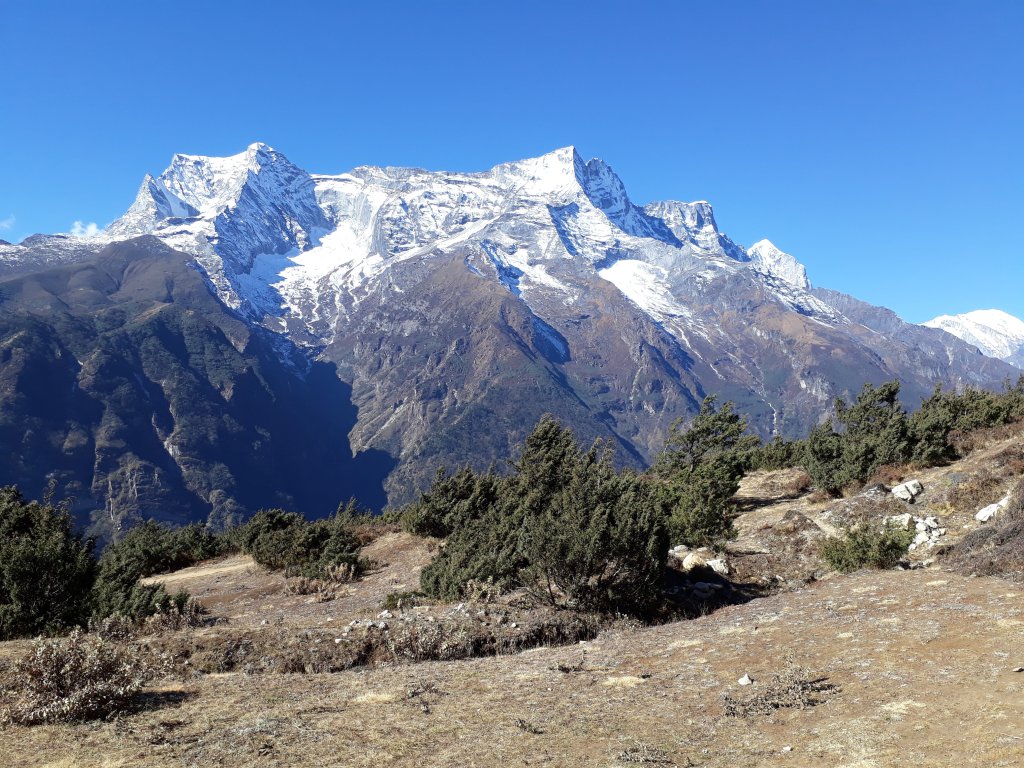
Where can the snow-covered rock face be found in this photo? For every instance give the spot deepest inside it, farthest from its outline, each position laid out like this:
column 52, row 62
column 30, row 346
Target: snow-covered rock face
column 996, row 333
column 770, row 260
column 283, row 246
column 228, row 211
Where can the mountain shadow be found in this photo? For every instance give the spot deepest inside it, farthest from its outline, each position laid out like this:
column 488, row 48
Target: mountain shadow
column 128, row 388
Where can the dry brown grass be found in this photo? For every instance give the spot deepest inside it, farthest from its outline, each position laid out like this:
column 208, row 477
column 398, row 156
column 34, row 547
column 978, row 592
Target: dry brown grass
column 979, row 490
column 924, row 661
column 997, row 548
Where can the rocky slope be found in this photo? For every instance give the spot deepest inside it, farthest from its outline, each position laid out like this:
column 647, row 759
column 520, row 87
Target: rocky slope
column 458, row 307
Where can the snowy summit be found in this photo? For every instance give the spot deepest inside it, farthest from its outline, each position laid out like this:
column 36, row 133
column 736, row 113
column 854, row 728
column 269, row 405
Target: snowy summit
column 996, row 333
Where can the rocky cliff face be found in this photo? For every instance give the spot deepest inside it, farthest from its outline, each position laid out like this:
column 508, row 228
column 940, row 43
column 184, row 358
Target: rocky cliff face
column 450, row 311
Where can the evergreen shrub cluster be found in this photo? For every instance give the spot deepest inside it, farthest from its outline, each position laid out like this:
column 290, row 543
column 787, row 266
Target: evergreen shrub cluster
column 876, row 431
column 564, row 524
column 314, row 549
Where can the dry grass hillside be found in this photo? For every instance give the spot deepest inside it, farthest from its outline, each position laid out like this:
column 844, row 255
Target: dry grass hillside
column 915, row 667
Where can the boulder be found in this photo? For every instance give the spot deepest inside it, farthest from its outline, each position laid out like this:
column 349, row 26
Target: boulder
column 987, row 513
column 903, row 522
column 908, row 491
column 719, row 565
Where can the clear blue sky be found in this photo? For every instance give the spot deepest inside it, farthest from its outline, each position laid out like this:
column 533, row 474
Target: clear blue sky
column 879, row 142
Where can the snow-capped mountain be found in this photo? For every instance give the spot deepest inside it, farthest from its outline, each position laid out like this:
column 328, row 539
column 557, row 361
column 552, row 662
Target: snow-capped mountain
column 996, row 333
column 454, row 309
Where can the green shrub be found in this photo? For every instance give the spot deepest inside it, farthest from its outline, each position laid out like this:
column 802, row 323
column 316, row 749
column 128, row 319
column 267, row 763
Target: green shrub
column 286, row 541
column 46, row 570
column 778, row 453
column 701, row 467
column 74, row 678
column 873, row 431
column 866, row 547
column 565, row 525
column 151, row 548
column 452, row 502
column 601, row 543
column 117, row 592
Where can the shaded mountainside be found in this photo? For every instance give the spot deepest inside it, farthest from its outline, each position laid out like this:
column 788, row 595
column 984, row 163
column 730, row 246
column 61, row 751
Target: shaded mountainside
column 125, row 381
column 415, row 318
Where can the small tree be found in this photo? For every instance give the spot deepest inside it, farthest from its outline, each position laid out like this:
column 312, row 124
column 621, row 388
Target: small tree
column 46, row 570
column 929, row 428
column 600, row 541
column 874, row 430
column 823, row 458
column 702, row 466
column 452, row 502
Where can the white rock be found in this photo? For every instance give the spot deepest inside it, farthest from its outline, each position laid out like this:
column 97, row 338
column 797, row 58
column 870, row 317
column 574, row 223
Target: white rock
column 693, row 560
column 719, row 566
column 921, row 538
column 902, row 522
column 745, row 680
column 987, row 513
column 908, row 490
column 920, row 526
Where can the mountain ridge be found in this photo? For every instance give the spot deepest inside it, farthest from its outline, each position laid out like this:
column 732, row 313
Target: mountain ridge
column 996, row 333
column 457, row 308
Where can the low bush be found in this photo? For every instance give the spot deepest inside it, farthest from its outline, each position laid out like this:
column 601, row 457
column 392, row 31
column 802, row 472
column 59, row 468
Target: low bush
column 452, row 502
column 79, row 677
column 866, row 546
column 400, row 601
column 117, row 591
column 320, row 549
column 700, row 467
column 977, row 491
column 793, row 688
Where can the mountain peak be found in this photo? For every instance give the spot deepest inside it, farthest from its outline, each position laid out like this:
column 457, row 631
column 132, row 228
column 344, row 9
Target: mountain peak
column 771, row 260
column 554, row 173
column 995, row 332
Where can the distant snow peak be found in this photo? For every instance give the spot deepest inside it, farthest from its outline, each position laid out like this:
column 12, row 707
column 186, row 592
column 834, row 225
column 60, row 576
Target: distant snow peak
column 770, row 260
column 996, row 333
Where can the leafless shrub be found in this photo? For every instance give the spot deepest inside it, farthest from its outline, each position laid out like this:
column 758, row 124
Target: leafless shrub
column 797, row 485
column 79, row 677
column 793, row 688
column 118, row 629
column 887, row 474
column 191, row 615
column 979, row 490
column 644, row 754
column 343, row 573
column 422, row 641
column 483, row 592
column 527, row 726
column 303, row 585
column 966, row 442
column 995, row 549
